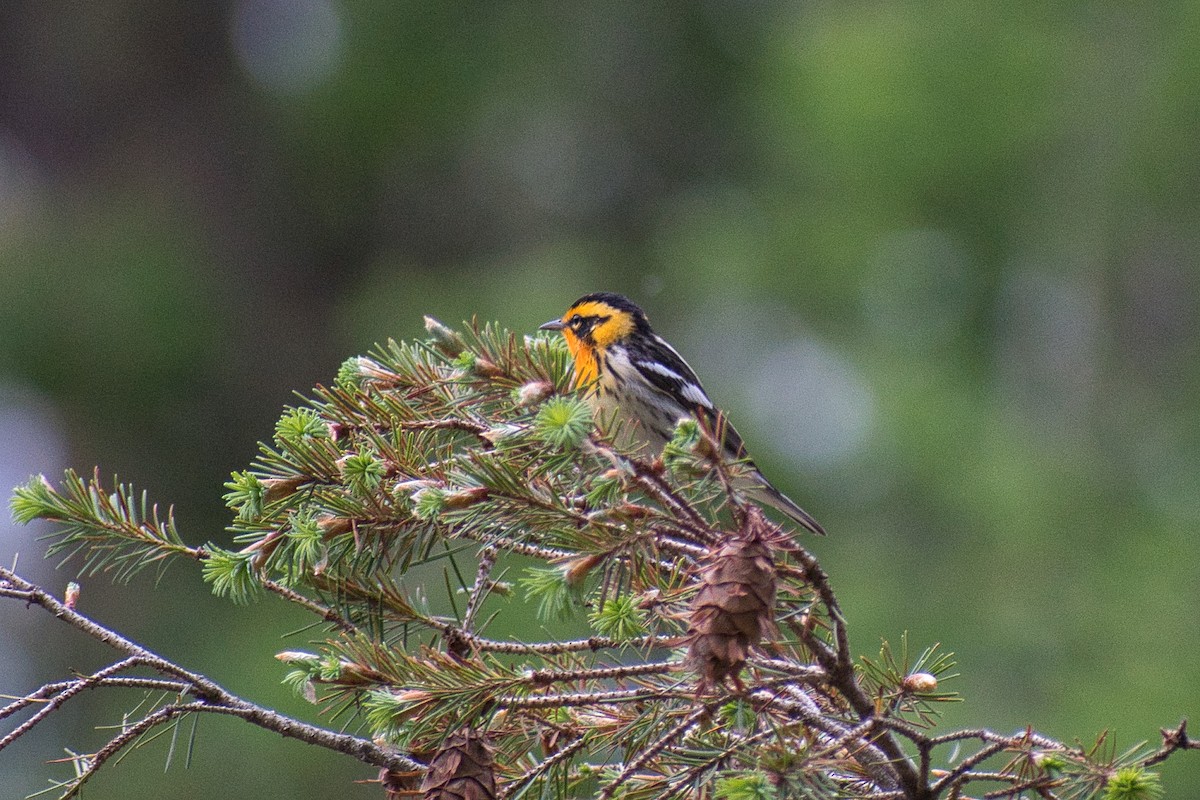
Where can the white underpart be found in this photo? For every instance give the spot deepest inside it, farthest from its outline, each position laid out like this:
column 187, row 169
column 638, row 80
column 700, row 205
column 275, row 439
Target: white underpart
column 650, row 414
column 617, row 361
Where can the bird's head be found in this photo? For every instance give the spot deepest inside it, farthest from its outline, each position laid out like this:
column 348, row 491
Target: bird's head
column 597, row 321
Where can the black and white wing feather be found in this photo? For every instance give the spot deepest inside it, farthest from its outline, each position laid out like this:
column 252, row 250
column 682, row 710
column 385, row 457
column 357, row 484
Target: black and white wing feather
column 661, row 366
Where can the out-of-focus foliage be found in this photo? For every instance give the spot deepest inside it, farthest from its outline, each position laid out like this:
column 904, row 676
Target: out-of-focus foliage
column 937, row 260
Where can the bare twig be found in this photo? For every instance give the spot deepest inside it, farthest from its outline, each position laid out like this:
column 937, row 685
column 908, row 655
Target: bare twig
column 483, row 585
column 543, row 677
column 46, row 693
column 1173, row 739
column 324, row 612
column 210, row 696
column 58, row 696
column 593, row 644
column 592, row 698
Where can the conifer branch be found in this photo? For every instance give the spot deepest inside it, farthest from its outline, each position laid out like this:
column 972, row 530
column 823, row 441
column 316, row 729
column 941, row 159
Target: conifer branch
column 434, row 470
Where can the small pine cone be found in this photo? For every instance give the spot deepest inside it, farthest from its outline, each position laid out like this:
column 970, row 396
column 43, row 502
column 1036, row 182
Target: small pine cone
column 735, row 607
column 461, row 770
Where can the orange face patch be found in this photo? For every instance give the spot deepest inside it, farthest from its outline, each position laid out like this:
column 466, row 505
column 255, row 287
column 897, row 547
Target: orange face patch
column 589, row 328
column 611, row 325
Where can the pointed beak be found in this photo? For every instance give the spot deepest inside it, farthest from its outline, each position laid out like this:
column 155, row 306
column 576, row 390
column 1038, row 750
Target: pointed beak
column 552, row 325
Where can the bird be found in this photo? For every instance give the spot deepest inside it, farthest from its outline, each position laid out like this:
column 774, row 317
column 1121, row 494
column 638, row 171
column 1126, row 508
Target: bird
column 628, row 372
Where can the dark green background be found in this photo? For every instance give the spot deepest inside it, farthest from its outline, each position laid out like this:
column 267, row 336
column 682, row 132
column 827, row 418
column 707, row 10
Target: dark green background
column 939, row 260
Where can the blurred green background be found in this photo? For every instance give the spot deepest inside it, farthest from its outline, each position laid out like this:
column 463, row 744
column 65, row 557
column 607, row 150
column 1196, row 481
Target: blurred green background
column 938, row 259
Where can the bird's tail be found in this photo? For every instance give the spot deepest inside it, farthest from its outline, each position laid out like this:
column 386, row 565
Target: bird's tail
column 778, row 500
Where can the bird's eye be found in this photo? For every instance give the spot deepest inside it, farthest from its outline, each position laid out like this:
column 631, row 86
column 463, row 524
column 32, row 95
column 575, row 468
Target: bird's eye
column 576, row 323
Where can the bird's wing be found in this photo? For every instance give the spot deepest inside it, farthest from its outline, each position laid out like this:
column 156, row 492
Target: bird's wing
column 667, row 372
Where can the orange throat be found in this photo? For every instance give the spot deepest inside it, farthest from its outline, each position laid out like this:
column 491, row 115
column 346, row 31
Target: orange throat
column 587, row 368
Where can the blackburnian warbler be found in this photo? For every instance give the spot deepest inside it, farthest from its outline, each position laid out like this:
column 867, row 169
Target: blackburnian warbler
column 630, row 373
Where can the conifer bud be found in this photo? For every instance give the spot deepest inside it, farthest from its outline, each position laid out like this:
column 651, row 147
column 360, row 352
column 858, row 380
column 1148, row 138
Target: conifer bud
column 333, row 526
column 486, row 368
column 632, row 511
column 920, row 683
column 372, row 370
column 444, row 338
column 413, row 485
column 278, row 488
column 464, row 498
column 412, row 696
column 706, row 446
column 263, row 548
column 534, row 392
column 299, row 657
column 735, row 607
column 71, row 596
column 576, row 570
column 498, row 433
column 651, row 598
column 352, row 673
column 461, row 770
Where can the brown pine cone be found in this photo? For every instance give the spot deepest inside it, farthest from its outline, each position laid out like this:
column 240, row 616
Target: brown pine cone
column 735, row 606
column 461, row 769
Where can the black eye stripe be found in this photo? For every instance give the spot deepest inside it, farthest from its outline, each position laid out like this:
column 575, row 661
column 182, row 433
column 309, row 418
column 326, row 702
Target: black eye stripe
column 582, row 323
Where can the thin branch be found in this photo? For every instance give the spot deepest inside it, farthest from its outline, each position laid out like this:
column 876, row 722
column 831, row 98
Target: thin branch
column 543, row 677
column 324, row 612
column 127, row 735
column 650, row 480
column 40, row 695
column 452, row 424
column 967, row 764
column 985, row 735
column 594, row 643
column 70, row 689
column 214, row 697
column 591, row 698
column 543, row 767
column 1016, row 788
column 483, row 585
column 650, row 751
column 515, row 546
column 1173, row 740
column 805, row 672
